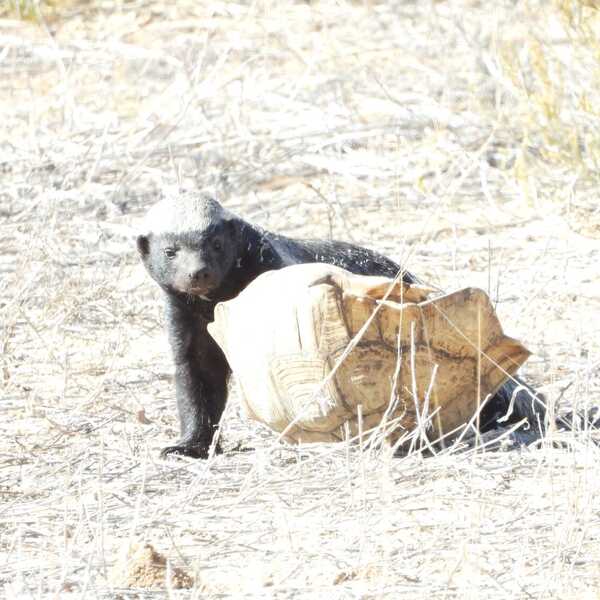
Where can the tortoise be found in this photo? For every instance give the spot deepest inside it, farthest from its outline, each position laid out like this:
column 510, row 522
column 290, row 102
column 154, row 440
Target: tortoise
column 321, row 354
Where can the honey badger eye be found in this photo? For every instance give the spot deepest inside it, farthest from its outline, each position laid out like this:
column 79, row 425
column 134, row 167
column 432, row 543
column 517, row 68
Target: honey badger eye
column 217, row 245
column 170, row 252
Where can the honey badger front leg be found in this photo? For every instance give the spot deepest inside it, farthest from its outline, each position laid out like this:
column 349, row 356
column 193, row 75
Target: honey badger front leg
column 201, row 375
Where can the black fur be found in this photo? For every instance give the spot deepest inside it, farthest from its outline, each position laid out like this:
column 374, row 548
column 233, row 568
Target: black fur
column 198, row 268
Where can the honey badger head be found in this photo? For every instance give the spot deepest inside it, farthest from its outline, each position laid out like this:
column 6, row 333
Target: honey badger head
column 189, row 244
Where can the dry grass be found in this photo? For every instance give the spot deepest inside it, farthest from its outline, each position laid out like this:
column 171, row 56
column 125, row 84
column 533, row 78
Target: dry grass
column 458, row 136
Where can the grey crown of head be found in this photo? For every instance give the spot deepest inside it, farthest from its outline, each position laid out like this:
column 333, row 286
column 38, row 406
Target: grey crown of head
column 186, row 211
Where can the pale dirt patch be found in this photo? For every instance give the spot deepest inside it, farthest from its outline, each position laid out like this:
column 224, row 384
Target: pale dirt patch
column 143, row 567
column 458, row 137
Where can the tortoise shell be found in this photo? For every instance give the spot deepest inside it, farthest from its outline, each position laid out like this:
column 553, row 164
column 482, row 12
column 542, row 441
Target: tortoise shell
column 320, row 353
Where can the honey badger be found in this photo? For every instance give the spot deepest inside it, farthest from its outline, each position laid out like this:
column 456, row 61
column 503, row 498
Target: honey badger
column 200, row 254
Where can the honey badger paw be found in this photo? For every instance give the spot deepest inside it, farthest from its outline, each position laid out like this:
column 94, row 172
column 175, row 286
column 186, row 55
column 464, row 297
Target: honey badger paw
column 193, row 450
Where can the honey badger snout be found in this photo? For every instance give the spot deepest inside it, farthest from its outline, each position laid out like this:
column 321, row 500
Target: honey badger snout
column 202, row 276
column 194, row 273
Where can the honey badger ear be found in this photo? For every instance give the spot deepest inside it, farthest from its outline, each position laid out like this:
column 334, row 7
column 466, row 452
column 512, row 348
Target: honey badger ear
column 143, row 245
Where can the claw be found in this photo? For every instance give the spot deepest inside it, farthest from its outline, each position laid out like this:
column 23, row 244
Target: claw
column 191, row 450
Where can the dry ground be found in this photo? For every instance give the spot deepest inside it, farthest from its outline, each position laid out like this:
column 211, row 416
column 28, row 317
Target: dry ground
column 460, row 137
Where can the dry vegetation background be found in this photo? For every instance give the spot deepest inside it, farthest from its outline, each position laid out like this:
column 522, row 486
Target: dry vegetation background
column 461, row 137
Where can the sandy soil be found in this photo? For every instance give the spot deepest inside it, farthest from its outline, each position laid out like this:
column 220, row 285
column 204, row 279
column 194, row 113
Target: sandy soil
column 457, row 137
